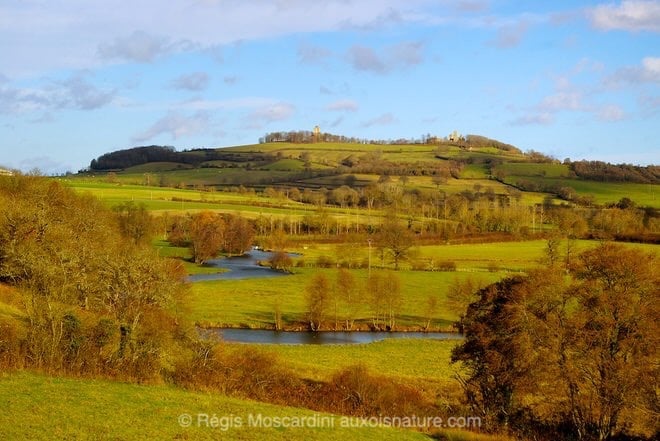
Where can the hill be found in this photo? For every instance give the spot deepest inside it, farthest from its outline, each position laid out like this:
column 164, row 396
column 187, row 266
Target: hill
column 325, row 161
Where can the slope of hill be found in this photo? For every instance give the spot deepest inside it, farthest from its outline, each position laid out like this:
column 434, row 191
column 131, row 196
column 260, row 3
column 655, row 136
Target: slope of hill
column 332, row 164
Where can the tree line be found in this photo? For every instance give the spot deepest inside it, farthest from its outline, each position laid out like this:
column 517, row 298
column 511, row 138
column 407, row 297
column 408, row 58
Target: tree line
column 126, row 158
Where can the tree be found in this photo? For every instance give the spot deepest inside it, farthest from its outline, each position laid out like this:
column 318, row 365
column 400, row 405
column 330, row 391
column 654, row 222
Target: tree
column 345, row 291
column 396, row 239
column 135, row 222
column 318, row 299
column 577, row 354
column 384, row 297
column 238, row 236
column 207, row 231
column 431, row 309
column 460, row 295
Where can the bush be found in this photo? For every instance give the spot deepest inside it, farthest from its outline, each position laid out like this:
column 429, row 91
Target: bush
column 446, row 265
column 325, row 262
column 281, row 261
column 355, row 391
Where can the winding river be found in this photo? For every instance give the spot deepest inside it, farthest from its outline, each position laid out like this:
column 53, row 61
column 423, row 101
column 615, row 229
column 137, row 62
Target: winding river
column 247, row 267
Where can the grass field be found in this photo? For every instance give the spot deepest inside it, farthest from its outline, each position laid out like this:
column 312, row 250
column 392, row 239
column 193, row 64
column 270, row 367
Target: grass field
column 252, row 303
column 405, row 359
column 37, row 407
column 603, row 192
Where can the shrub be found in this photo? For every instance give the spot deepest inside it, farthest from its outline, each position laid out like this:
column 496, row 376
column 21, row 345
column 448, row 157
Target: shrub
column 446, row 265
column 355, row 391
column 325, row 262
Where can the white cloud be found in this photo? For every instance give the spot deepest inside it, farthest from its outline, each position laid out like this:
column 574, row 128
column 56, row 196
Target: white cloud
column 385, row 119
column 630, row 15
column 611, row 113
column 397, row 56
column 176, row 125
column 563, row 100
column 44, row 36
column 343, row 106
column 267, row 114
column 138, row 46
column 510, row 35
column 195, row 81
column 75, row 92
column 309, row 54
column 647, row 72
column 365, row 59
column 544, row 118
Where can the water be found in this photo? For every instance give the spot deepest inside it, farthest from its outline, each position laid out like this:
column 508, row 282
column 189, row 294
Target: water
column 268, row 336
column 240, row 267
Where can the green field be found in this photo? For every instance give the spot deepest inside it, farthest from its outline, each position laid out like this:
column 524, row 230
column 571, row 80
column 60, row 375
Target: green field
column 37, row 407
column 252, row 303
column 404, row 359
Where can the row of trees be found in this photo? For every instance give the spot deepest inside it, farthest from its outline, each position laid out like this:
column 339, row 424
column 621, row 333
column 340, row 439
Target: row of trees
column 340, row 302
column 548, row 356
column 207, row 234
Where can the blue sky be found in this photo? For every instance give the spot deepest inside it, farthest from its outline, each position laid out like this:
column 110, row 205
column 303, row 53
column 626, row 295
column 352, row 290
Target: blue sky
column 79, row 78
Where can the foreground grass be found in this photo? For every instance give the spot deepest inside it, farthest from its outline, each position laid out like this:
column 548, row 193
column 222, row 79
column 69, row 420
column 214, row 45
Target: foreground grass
column 425, row 363
column 38, row 407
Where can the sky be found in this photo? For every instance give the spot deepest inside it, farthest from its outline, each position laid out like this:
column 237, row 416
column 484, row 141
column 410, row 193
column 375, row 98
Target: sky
column 79, row 78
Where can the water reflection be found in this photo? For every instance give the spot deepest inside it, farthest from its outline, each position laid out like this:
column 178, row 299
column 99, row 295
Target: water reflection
column 240, row 267
column 321, row 338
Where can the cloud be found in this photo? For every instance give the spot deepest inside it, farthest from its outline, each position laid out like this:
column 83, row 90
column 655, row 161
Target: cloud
column 365, row 59
column 630, row 15
column 534, row 119
column 407, row 53
column 269, row 113
column 79, row 93
column 398, row 56
column 230, row 80
column 510, row 36
column 176, row 125
column 343, row 106
column 309, row 54
column 611, row 113
column 138, row 46
column 45, row 164
column 472, row 5
column 195, row 81
column 563, row 100
column 385, row 119
column 647, row 72
column 75, row 92
column 46, row 36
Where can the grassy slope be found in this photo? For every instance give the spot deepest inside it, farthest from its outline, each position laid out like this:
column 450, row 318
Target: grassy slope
column 603, row 192
column 38, row 407
column 407, row 359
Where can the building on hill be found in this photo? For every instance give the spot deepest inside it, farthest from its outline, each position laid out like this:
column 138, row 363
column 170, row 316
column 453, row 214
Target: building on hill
column 316, row 134
column 5, row 172
column 454, row 136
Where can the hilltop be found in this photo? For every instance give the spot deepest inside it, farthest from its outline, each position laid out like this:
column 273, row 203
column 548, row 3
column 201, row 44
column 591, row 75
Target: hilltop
column 309, row 160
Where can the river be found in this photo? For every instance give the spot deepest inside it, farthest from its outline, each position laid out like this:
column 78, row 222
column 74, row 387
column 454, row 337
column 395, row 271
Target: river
column 268, row 336
column 240, row 267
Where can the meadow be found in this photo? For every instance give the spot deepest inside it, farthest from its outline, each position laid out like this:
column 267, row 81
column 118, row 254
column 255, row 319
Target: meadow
column 39, row 407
